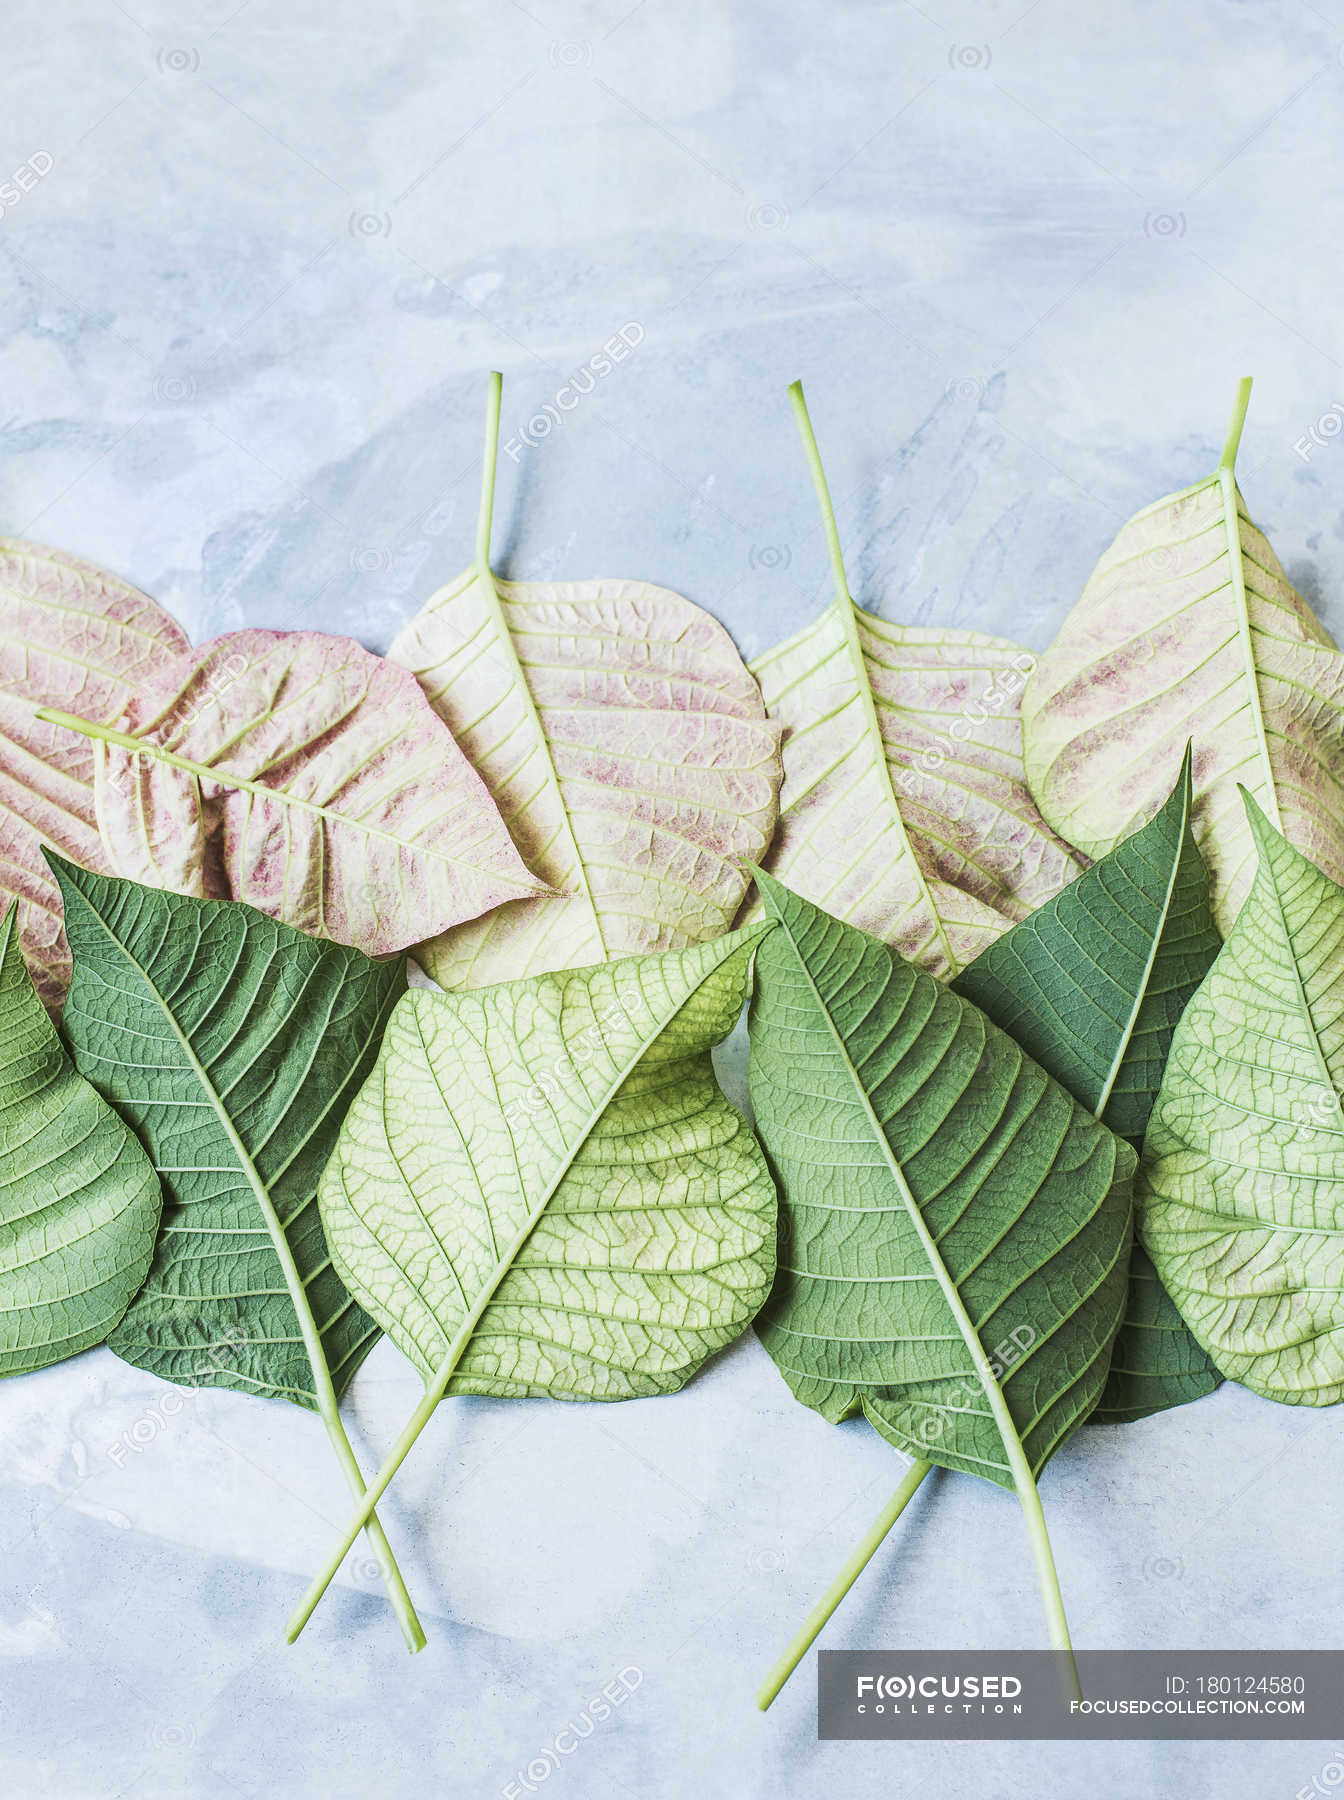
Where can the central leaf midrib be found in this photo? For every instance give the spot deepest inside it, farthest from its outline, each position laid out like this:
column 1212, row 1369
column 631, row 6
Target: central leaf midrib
column 847, row 612
column 521, row 688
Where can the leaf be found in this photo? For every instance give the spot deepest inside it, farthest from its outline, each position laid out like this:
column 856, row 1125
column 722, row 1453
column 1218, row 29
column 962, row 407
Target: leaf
column 232, row 1044
column 916, row 734
column 625, row 744
column 1189, row 629
column 541, row 1189
column 79, row 1201
column 954, row 1227
column 1092, row 986
column 1244, row 1157
column 303, row 775
column 70, row 636
column 938, row 1192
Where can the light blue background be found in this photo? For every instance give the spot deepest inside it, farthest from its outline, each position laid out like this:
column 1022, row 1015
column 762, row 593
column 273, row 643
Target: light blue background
column 1020, row 255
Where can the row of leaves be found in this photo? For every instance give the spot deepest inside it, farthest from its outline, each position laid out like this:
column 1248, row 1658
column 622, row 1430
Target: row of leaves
column 536, row 1187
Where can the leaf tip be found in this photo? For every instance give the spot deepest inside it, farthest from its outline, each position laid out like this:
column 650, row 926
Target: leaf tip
column 1262, row 831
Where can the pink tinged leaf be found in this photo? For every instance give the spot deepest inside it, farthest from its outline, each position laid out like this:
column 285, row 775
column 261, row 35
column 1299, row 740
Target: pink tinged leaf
column 311, row 779
column 912, row 818
column 77, row 639
column 1189, row 630
column 628, row 749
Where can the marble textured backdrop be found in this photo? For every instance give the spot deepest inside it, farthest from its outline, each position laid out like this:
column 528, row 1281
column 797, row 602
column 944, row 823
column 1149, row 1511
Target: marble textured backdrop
column 1020, row 254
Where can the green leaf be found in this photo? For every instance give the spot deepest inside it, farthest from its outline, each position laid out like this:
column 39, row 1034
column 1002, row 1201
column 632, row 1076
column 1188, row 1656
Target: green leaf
column 79, row 1201
column 1189, row 629
column 916, row 732
column 1244, row 1158
column 233, row 1045
column 541, row 1189
column 955, row 1227
column 938, row 1193
column 1092, row 986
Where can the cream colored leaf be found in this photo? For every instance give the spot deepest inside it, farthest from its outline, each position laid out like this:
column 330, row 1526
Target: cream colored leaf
column 905, row 808
column 1189, row 629
column 626, row 745
column 73, row 637
column 309, row 778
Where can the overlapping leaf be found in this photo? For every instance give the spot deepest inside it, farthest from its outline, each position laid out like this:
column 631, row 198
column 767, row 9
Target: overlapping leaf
column 1189, row 629
column 549, row 1167
column 626, row 746
column 306, row 777
column 79, row 1201
column 233, row 1045
column 74, row 637
column 542, row 1190
column 945, row 1205
column 1243, row 1164
column 905, row 808
column 1092, row 986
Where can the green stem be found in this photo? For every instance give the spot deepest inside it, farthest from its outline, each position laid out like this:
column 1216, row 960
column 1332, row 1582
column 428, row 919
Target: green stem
column 1232, row 442
column 324, row 1391
column 842, row 594
column 1048, row 1579
column 494, row 400
column 866, row 1549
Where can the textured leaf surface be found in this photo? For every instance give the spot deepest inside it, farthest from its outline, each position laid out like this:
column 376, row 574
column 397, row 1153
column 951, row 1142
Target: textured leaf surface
column 626, row 746
column 1189, row 629
column 79, row 1201
column 1243, row 1164
column 945, row 1205
column 319, row 787
column 232, row 1045
column 541, row 1189
column 1092, row 986
column 905, row 808
column 76, row 638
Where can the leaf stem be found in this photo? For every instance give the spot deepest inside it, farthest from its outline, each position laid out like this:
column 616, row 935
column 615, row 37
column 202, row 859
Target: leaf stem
column 864, row 1551
column 324, row 1391
column 1232, row 442
column 809, row 437
column 493, row 404
column 1047, row 1577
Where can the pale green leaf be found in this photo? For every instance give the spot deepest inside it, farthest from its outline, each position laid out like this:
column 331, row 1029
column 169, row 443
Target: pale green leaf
column 1189, row 630
column 1243, row 1163
column 541, row 1189
column 79, row 1201
column 1092, row 986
